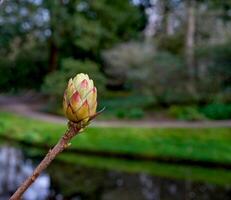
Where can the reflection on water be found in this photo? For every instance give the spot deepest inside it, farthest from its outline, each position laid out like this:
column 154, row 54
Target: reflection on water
column 88, row 183
column 14, row 169
column 64, row 181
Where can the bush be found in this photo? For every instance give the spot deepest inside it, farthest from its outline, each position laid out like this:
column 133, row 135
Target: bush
column 214, row 66
column 128, row 62
column 125, row 105
column 142, row 68
column 127, row 102
column 171, row 43
column 185, row 113
column 217, row 111
column 121, row 113
column 212, row 111
column 134, row 113
column 56, row 82
column 25, row 70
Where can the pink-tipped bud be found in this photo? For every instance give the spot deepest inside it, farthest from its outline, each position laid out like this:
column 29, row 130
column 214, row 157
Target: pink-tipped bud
column 80, row 99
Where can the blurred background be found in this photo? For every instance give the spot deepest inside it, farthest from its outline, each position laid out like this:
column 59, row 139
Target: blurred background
column 163, row 72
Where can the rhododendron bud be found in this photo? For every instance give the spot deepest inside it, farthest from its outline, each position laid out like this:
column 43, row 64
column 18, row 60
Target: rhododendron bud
column 80, row 99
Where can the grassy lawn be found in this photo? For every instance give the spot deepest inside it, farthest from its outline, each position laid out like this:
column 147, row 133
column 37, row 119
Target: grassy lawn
column 202, row 144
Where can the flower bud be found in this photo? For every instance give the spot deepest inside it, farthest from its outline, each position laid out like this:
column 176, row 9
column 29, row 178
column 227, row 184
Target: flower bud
column 80, row 99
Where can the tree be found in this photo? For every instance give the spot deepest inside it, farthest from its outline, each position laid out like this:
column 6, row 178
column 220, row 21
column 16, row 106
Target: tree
column 190, row 38
column 23, row 63
column 81, row 29
column 77, row 29
column 92, row 26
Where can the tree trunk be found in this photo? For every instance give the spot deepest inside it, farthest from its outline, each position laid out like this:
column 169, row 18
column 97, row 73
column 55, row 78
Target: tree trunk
column 53, row 57
column 190, row 39
column 166, row 18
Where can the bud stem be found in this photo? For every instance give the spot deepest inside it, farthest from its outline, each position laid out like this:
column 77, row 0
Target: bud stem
column 62, row 144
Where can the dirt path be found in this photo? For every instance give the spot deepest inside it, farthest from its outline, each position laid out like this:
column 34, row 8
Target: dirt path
column 21, row 106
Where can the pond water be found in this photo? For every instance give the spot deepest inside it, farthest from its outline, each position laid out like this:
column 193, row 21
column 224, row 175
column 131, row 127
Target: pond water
column 78, row 177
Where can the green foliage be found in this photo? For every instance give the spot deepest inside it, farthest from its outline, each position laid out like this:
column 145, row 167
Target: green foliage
column 23, row 52
column 24, row 69
column 18, row 20
column 217, row 111
column 173, row 44
column 221, row 67
column 126, row 106
column 162, row 74
column 128, row 62
column 185, row 113
column 218, row 70
column 136, row 113
column 133, row 113
column 166, row 79
column 5, row 74
column 201, row 144
column 90, row 35
column 101, row 23
column 56, row 82
column 127, row 101
column 121, row 113
column 144, row 69
column 78, row 29
column 81, row 30
column 81, row 35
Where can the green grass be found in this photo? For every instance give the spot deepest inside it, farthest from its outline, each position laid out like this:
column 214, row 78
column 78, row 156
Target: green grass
column 202, row 144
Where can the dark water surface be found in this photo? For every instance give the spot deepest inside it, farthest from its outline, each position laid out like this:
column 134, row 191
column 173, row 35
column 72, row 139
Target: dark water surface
column 77, row 177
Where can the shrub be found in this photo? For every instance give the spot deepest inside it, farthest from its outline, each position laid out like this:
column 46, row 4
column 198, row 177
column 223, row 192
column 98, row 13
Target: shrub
column 141, row 67
column 55, row 82
column 217, row 111
column 185, row 113
column 134, row 113
column 171, row 43
column 121, row 113
column 125, row 105
column 214, row 66
column 128, row 62
column 25, row 70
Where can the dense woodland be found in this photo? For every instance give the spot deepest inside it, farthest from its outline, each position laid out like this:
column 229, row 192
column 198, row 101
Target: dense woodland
column 142, row 53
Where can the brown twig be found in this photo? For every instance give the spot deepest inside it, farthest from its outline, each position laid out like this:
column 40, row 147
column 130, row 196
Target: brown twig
column 63, row 143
